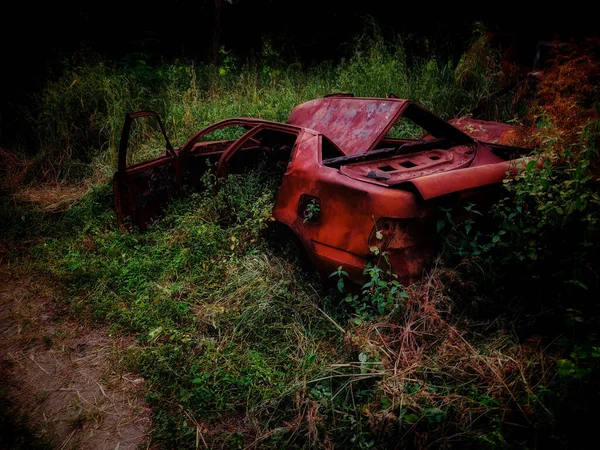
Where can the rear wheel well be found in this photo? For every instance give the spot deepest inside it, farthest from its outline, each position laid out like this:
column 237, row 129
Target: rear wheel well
column 285, row 242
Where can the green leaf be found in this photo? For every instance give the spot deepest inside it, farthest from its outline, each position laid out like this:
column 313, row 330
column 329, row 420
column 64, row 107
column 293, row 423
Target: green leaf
column 362, row 357
column 411, row 418
column 385, row 402
column 566, row 367
column 440, row 225
column 414, row 388
column 155, row 332
column 435, row 415
column 577, row 283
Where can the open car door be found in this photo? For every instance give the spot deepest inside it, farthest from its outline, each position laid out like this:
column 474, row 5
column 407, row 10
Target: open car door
column 140, row 190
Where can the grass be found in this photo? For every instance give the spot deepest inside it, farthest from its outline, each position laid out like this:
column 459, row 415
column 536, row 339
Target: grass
column 78, row 122
column 228, row 330
column 223, row 325
column 240, row 349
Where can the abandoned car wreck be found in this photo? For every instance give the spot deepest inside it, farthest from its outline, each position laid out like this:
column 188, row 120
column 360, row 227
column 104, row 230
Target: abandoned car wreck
column 347, row 183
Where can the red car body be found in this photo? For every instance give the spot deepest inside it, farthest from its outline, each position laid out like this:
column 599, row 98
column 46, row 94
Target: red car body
column 347, row 186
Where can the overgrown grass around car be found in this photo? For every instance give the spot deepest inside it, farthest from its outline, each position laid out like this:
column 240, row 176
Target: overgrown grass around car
column 239, row 348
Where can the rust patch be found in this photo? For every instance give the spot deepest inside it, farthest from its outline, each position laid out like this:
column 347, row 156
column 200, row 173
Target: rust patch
column 487, row 131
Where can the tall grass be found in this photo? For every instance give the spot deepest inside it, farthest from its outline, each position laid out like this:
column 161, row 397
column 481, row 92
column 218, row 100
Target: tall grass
column 237, row 345
column 80, row 114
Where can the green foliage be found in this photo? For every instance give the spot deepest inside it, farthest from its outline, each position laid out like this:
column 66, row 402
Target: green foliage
column 378, row 68
column 582, row 362
column 228, row 62
column 80, row 115
column 19, row 222
column 81, row 112
column 536, row 250
column 312, row 211
column 380, row 294
column 222, row 324
column 546, row 223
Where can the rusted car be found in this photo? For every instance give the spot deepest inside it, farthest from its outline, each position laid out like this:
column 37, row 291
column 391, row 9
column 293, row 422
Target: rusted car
column 348, row 182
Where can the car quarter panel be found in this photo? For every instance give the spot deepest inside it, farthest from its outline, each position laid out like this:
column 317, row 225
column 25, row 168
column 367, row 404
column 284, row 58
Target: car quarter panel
column 349, row 209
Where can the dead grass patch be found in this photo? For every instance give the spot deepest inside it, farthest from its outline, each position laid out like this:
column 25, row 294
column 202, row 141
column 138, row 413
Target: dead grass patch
column 53, row 197
column 434, row 367
column 13, row 169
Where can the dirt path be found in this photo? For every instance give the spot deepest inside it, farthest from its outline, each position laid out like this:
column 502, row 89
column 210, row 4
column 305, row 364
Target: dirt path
column 61, row 375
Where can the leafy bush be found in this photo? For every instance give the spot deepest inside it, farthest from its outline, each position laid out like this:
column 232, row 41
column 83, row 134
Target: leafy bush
column 537, row 250
column 381, row 294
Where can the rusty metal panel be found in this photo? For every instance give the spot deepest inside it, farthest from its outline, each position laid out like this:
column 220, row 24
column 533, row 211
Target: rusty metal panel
column 355, row 125
column 486, row 131
column 445, row 183
column 385, row 185
column 412, row 165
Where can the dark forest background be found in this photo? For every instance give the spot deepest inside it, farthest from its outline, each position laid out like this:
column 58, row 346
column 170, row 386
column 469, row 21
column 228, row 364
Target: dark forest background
column 38, row 37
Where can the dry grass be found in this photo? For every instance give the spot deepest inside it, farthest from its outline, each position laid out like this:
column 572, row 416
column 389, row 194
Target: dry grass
column 13, row 169
column 50, row 195
column 53, row 197
column 430, row 360
column 47, row 190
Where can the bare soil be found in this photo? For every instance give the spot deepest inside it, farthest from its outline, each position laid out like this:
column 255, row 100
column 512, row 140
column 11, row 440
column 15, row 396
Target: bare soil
column 62, row 374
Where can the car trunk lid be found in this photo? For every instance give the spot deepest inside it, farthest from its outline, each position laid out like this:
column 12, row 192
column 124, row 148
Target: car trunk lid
column 355, row 125
column 433, row 173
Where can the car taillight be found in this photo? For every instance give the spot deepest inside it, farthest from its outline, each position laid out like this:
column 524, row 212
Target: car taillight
column 403, row 245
